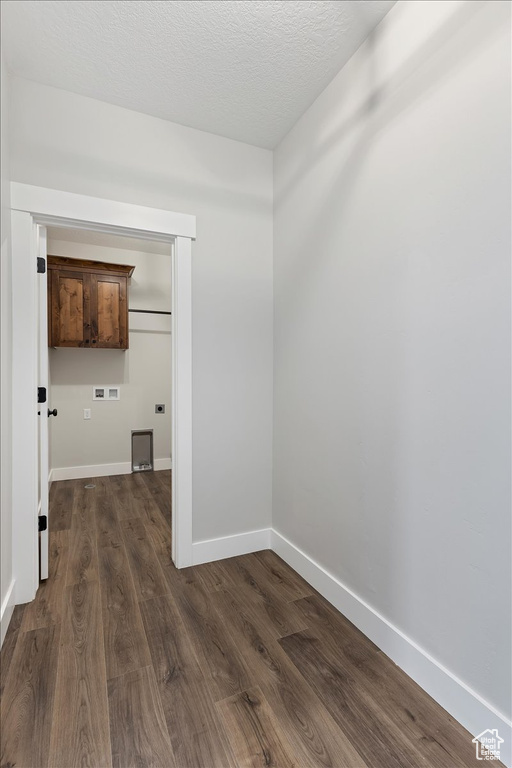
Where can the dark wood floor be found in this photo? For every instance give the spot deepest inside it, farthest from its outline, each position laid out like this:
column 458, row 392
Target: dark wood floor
column 122, row 660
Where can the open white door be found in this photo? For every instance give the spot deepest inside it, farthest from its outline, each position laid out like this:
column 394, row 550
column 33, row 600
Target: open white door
column 43, row 406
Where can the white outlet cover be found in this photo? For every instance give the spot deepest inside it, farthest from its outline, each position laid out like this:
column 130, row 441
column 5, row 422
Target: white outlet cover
column 106, row 392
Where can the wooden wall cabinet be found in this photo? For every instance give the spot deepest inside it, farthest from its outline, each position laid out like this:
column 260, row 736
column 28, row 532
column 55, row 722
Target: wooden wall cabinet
column 87, row 303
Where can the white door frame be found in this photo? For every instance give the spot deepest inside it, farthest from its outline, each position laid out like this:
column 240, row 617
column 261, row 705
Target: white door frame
column 32, row 206
column 43, row 432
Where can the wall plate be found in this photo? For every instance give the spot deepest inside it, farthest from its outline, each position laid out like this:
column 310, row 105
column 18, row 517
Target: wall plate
column 106, row 392
column 142, row 450
column 159, row 408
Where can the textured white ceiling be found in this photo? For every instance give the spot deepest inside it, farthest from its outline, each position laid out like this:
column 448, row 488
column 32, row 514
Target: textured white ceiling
column 246, row 69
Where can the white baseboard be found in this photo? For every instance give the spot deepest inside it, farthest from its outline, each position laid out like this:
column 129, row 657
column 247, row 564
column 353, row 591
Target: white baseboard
column 230, row 546
column 6, row 611
column 101, row 470
column 464, row 704
column 161, row 464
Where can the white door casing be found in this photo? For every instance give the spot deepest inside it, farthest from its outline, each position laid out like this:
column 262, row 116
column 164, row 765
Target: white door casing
column 42, row 381
column 24, row 404
column 181, row 437
column 32, row 206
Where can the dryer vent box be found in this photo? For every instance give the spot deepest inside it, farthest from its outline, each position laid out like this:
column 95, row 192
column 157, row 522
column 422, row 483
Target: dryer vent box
column 142, row 450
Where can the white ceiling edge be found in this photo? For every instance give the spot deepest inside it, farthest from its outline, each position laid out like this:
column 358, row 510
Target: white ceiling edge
column 242, row 69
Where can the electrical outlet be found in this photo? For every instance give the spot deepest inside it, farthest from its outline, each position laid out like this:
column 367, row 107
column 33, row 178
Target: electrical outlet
column 159, row 408
column 87, row 413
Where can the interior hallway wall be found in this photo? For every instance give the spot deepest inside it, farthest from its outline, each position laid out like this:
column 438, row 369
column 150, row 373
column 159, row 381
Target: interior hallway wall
column 143, row 371
column 392, row 333
column 7, row 596
column 77, row 144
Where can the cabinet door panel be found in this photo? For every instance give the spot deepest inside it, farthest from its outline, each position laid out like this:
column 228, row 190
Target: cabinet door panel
column 69, row 320
column 108, row 312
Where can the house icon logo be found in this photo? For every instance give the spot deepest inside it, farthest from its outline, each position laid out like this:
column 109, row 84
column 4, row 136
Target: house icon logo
column 488, row 745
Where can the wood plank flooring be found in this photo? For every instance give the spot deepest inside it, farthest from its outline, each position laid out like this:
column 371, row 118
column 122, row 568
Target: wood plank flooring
column 122, row 660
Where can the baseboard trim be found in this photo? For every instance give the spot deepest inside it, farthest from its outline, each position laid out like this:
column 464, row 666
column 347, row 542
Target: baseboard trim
column 464, row 704
column 230, row 546
column 6, row 611
column 161, row 464
column 101, row 470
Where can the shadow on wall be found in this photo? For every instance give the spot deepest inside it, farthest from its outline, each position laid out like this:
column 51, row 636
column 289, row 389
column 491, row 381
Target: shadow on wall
column 362, row 452
column 88, row 366
column 441, row 54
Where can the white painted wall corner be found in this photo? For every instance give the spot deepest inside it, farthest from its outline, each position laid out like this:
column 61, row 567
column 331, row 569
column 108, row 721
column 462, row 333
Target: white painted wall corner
column 6, row 610
column 457, row 698
column 463, row 703
column 230, row 546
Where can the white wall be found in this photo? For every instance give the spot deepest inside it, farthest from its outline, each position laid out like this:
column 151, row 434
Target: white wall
column 143, row 371
column 77, row 144
column 392, row 307
column 392, row 333
column 6, row 593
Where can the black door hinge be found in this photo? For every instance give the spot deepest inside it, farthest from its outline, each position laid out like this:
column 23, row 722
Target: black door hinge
column 41, row 265
column 41, row 394
column 42, row 523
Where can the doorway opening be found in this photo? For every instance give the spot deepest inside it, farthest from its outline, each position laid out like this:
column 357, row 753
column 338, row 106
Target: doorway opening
column 34, row 211
column 109, row 371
